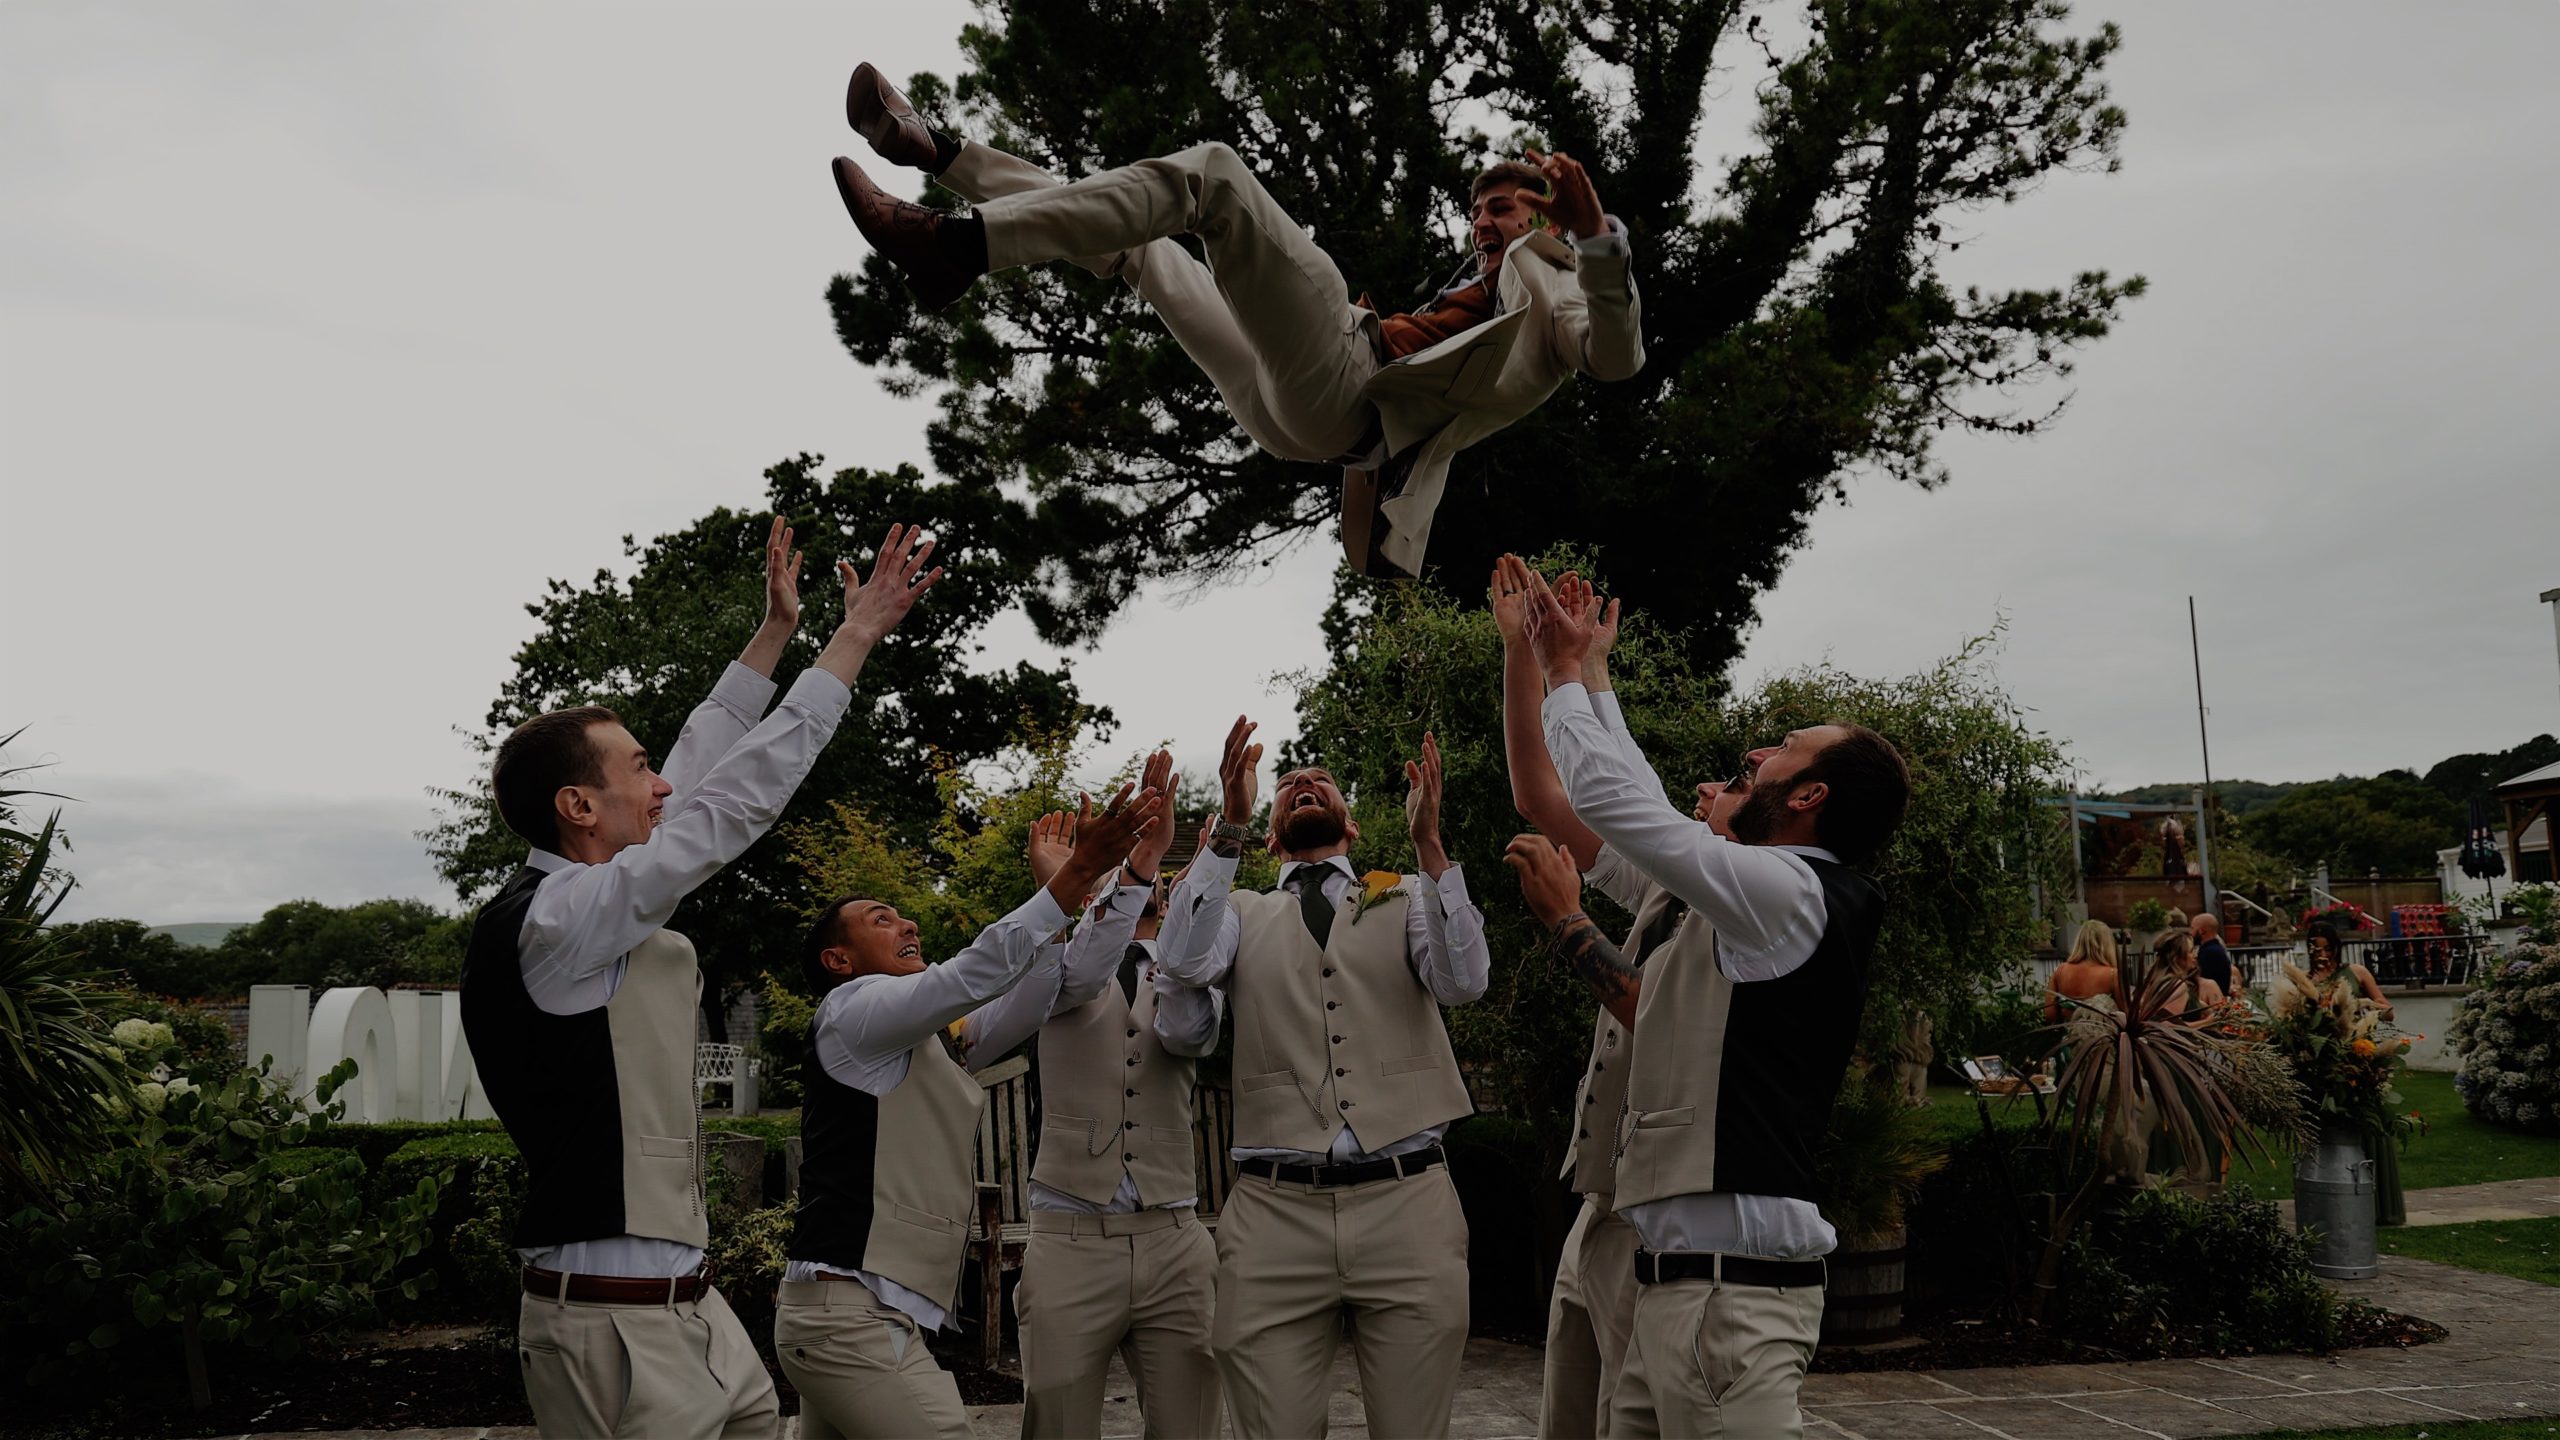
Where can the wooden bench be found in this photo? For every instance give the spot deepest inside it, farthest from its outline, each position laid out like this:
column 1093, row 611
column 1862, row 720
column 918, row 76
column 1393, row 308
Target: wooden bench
column 1001, row 1230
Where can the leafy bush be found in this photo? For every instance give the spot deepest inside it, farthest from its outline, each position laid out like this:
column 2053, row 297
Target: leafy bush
column 783, row 1036
column 197, row 1233
column 2147, row 914
column 747, row 1253
column 2165, row 1272
column 1975, row 1225
column 2508, row 1035
column 470, row 1245
column 54, row 1055
column 376, row 1144
column 205, row 1051
column 1871, row 1160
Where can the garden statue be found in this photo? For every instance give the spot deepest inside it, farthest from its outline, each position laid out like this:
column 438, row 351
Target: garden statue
column 1911, row 1057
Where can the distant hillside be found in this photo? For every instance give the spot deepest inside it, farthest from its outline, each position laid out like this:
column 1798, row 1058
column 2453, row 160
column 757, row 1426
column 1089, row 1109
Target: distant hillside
column 202, row 934
column 2457, row 779
column 2238, row 797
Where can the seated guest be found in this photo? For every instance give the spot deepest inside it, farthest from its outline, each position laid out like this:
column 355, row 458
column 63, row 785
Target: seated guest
column 2087, row 972
column 889, row 1178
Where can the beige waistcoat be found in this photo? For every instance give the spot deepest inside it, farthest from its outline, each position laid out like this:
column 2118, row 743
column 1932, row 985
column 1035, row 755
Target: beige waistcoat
column 1666, row 1138
column 1600, row 1099
column 924, row 1181
column 1114, row 1102
column 1341, row 1036
column 651, row 1018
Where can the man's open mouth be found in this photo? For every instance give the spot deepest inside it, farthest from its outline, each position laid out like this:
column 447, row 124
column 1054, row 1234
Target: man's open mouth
column 1306, row 800
column 912, row 950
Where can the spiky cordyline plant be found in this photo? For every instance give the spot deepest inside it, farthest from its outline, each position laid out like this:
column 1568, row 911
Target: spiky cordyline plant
column 2214, row 1086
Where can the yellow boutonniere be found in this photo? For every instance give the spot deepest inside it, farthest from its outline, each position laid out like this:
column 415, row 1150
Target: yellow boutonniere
column 1376, row 889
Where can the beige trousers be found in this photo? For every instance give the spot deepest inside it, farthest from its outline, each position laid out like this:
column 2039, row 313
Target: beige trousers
column 1293, row 1259
column 861, row 1367
column 643, row 1370
column 1710, row 1360
column 1141, row 1285
column 1279, row 337
column 1588, row 1319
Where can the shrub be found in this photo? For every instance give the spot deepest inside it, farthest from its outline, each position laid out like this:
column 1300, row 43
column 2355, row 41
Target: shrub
column 199, row 1234
column 376, row 1144
column 747, row 1253
column 2508, row 1035
column 2147, row 914
column 2165, row 1273
column 1976, row 1224
column 205, row 1052
column 784, row 1038
column 469, row 1243
column 1871, row 1160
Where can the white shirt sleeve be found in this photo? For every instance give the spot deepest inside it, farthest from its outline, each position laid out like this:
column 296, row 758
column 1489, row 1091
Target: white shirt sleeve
column 1093, row 956
column 1765, row 903
column 1186, row 1016
column 867, row 1025
column 1006, row 1024
column 1612, row 239
column 584, row 918
column 736, row 703
column 1444, row 938
column 1611, row 875
column 1198, row 946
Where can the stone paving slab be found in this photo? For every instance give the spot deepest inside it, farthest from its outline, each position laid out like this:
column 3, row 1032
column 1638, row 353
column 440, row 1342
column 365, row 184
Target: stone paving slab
column 2461, row 1204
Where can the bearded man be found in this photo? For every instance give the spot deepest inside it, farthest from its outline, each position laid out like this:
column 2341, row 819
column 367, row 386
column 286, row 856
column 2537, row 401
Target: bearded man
column 1308, row 373
column 1344, row 1084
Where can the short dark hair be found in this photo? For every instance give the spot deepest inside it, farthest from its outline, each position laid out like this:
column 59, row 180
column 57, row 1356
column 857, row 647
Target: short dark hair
column 1870, row 788
column 1507, row 172
column 826, row 931
column 536, row 759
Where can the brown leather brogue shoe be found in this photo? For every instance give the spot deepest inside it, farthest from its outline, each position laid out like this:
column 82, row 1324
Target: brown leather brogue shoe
column 915, row 239
column 879, row 114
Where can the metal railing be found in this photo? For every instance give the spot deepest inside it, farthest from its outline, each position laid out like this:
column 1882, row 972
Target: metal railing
column 2408, row 961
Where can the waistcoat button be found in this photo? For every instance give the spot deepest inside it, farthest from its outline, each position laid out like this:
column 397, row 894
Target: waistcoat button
column 1328, row 972
column 1133, row 1034
column 1333, row 1004
column 1345, row 1104
column 1337, row 1039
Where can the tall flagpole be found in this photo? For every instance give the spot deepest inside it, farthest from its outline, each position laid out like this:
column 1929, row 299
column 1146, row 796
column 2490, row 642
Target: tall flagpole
column 2204, row 741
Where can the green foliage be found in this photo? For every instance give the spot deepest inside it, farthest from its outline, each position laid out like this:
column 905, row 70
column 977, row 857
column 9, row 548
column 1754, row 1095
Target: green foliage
column 783, row 1034
column 54, row 1057
column 1872, row 1161
column 205, row 1051
column 2165, row 1272
column 652, row 644
column 2342, row 1054
column 470, row 1244
column 2389, row 822
column 195, row 1235
column 748, row 1250
column 1796, row 320
column 2146, row 914
column 150, row 962
column 303, row 942
column 2460, row 777
column 2508, row 1035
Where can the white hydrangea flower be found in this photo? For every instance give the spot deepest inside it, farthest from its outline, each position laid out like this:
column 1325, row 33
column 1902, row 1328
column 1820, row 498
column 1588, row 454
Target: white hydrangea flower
column 133, row 1034
column 151, row 1095
column 180, row 1085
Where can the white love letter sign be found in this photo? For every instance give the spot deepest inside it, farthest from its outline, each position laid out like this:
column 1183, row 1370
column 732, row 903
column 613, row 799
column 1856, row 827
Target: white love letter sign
column 412, row 1062
column 352, row 1024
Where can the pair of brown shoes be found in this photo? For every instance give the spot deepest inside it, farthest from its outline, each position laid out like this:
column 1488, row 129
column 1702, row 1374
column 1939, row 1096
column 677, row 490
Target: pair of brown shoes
column 912, row 236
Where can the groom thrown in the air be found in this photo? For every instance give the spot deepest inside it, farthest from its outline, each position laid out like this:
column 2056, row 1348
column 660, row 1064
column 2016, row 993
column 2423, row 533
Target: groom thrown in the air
column 1307, row 372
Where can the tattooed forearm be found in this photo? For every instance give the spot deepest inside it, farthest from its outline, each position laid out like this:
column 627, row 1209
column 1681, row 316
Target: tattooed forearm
column 1580, row 945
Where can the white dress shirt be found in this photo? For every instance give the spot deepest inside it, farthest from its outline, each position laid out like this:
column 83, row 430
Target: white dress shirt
column 731, row 778
column 1186, row 1020
column 1444, row 943
column 1767, row 909
column 868, row 1025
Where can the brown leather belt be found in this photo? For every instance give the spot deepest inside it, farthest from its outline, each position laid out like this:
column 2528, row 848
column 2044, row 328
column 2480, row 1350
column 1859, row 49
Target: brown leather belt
column 1657, row 1267
column 615, row 1289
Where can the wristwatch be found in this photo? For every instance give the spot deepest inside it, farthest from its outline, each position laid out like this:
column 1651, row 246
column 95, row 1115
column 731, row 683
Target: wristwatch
column 1129, row 875
column 1230, row 830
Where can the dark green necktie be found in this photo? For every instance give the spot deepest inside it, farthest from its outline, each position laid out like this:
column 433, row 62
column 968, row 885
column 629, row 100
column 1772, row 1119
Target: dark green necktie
column 1309, row 883
column 1129, row 959
column 1659, row 931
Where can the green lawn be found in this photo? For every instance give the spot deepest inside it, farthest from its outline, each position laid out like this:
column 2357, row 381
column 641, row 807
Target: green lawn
column 2456, row 1150
column 2526, row 1249
column 2430, row 1431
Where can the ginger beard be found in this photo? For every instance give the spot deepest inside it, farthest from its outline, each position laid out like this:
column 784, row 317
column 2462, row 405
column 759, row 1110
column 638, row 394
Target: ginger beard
column 1310, row 823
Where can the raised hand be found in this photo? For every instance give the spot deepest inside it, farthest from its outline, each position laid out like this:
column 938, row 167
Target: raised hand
column 1549, row 879
column 1157, row 778
column 1561, row 636
column 1422, row 807
column 1103, row 839
column 1572, row 203
column 1053, row 838
column 899, row 578
column 1508, row 593
column 781, row 578
column 1240, row 772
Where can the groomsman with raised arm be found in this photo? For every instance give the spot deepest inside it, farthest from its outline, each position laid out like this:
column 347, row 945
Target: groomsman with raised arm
column 580, row 1009
column 1592, row 1307
column 889, row 1126
column 1344, row 1084
column 1118, row 1260
column 1744, row 1020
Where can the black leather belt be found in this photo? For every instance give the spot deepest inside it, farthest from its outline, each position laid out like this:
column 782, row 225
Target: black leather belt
column 616, row 1289
column 1653, row 1268
column 1398, row 1168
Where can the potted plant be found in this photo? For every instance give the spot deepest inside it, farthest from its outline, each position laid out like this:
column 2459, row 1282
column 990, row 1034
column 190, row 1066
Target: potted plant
column 1874, row 1154
column 2346, row 1059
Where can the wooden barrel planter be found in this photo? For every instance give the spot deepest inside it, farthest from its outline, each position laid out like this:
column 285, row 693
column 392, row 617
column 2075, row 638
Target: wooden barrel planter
column 1864, row 1303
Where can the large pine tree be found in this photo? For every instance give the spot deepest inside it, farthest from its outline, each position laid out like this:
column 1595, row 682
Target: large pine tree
column 1795, row 318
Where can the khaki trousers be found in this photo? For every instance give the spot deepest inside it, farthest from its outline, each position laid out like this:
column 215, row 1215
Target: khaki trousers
column 1292, row 1259
column 678, row 1369
column 1141, row 1285
column 1287, row 350
column 1588, row 1320
column 861, row 1367
column 1710, row 1360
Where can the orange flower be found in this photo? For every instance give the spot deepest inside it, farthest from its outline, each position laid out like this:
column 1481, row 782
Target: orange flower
column 2362, row 1047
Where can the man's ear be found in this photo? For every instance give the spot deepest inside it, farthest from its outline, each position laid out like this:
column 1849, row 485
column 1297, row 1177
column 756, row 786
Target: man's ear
column 1350, row 831
column 574, row 809
column 836, row 960
column 1809, row 797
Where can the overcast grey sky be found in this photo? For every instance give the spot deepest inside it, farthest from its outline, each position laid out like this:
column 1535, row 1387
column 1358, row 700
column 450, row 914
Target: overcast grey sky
column 328, row 333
